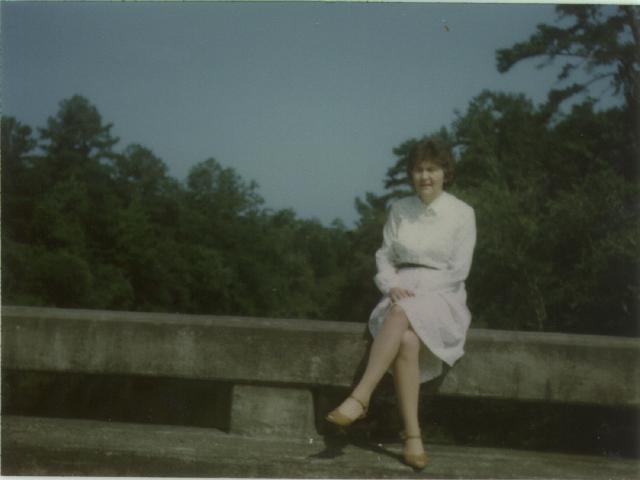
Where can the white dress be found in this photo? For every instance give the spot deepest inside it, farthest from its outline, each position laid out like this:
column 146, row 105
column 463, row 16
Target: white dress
column 442, row 237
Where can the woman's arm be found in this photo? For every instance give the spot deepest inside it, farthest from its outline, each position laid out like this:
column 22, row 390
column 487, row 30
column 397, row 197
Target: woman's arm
column 459, row 263
column 387, row 276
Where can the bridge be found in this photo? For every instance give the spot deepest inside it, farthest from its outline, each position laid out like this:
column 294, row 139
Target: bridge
column 146, row 394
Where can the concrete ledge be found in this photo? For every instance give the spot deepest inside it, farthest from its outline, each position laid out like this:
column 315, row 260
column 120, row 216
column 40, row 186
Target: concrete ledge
column 549, row 367
column 498, row 364
column 272, row 411
column 47, row 446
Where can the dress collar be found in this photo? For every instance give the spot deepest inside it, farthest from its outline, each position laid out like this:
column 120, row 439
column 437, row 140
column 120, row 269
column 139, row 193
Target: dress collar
column 436, row 206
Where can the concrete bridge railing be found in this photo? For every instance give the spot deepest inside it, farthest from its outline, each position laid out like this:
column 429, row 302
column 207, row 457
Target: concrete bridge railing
column 274, row 364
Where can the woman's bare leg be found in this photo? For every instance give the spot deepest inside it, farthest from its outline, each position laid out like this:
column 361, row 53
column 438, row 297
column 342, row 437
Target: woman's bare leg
column 383, row 352
column 406, row 376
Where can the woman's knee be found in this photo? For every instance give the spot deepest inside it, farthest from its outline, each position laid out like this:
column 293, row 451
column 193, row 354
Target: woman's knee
column 396, row 314
column 409, row 344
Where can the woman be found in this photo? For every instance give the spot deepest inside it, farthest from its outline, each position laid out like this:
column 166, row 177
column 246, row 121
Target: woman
column 422, row 319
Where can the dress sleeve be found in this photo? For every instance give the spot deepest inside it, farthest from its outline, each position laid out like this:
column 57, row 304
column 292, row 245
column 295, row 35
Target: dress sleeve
column 387, row 276
column 459, row 263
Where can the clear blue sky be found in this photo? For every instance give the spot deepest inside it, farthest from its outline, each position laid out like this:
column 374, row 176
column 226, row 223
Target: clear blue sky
column 307, row 99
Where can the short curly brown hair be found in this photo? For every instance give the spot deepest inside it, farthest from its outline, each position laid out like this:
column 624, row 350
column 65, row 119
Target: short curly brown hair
column 434, row 150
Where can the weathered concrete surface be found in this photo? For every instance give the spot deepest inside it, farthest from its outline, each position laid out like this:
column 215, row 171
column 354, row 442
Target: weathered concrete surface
column 46, row 446
column 272, row 411
column 498, row 364
column 548, row 366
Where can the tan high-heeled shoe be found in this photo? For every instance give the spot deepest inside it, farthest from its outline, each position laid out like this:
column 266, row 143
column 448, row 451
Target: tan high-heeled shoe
column 414, row 460
column 338, row 418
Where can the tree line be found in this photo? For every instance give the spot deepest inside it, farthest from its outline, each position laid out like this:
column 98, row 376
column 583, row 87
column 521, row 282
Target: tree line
column 554, row 186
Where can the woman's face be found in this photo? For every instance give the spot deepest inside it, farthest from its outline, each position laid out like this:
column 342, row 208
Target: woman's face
column 428, row 180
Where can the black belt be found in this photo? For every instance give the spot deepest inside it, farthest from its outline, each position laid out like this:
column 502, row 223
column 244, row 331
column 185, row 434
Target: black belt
column 400, row 266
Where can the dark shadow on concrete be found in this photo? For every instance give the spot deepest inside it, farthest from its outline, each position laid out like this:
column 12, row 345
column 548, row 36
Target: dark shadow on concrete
column 333, row 447
column 377, row 448
column 136, row 399
column 336, row 443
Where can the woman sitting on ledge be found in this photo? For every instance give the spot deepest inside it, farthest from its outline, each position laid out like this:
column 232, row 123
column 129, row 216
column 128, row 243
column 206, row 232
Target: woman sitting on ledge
column 422, row 319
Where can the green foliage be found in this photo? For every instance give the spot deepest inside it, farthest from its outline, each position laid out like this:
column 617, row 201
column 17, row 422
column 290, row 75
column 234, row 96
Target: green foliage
column 87, row 226
column 602, row 40
column 17, row 184
column 76, row 134
column 221, row 190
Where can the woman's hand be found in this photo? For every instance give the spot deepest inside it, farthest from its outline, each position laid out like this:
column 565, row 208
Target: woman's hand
column 396, row 294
